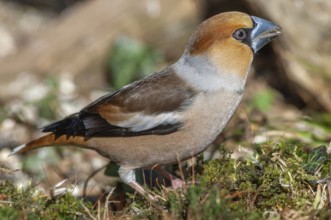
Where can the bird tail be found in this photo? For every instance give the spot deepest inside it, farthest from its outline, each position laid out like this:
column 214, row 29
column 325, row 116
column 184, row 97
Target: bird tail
column 49, row 140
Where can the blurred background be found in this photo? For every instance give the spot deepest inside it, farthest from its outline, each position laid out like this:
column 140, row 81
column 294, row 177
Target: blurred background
column 56, row 56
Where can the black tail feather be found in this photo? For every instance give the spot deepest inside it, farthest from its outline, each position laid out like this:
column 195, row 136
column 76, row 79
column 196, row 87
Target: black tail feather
column 69, row 126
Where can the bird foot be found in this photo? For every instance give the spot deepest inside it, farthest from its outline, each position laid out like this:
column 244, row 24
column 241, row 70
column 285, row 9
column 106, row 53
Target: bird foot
column 177, row 183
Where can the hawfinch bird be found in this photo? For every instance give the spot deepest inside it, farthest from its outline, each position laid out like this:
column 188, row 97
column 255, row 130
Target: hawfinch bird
column 176, row 113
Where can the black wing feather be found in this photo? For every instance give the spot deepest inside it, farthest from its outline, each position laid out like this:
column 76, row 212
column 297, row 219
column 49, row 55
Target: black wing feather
column 74, row 126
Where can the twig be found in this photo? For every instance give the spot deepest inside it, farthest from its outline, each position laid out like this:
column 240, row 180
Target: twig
column 180, row 168
column 88, row 212
column 328, row 193
column 90, row 177
column 99, row 210
column 106, row 212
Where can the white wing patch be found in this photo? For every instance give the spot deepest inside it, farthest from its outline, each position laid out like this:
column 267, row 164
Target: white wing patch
column 140, row 122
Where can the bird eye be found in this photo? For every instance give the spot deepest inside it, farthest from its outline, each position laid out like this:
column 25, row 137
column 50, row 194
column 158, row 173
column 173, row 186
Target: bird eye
column 240, row 34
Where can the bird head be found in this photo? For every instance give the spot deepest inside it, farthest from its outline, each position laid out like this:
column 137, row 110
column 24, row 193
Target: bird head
column 230, row 40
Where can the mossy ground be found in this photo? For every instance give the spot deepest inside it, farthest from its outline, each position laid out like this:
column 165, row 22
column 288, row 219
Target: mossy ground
column 32, row 204
column 278, row 181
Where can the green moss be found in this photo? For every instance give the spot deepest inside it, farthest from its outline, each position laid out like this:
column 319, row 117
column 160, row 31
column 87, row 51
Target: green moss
column 276, row 179
column 214, row 170
column 316, row 158
column 176, row 205
column 9, row 213
column 31, row 204
column 205, row 202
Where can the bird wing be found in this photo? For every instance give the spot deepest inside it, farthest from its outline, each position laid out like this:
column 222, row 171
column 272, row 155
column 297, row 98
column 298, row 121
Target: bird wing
column 152, row 105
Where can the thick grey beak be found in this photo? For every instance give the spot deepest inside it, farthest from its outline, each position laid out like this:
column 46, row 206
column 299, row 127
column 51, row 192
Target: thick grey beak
column 262, row 33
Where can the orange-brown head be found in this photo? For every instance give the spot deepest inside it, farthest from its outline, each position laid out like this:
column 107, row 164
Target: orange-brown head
column 231, row 39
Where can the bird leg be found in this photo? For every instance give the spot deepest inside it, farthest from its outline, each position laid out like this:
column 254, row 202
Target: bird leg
column 176, row 183
column 128, row 176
